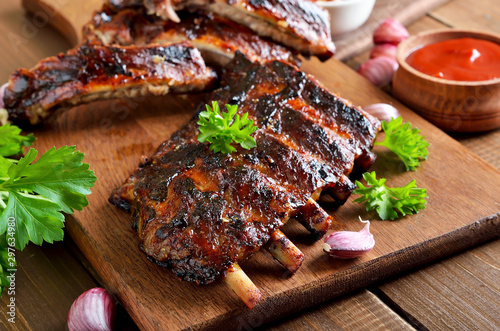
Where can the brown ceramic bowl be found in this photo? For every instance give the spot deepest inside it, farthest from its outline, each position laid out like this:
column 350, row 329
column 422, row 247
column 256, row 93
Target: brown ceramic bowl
column 451, row 105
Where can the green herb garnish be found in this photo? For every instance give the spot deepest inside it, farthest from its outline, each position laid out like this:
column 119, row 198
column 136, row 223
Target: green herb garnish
column 221, row 129
column 390, row 202
column 405, row 141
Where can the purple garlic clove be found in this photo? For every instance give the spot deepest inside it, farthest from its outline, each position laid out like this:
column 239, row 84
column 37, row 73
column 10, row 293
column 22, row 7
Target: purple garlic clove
column 390, row 31
column 94, row 310
column 382, row 111
column 349, row 244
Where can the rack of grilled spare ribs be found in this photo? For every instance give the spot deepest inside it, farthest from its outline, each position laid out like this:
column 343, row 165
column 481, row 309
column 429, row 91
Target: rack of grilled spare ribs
column 195, row 211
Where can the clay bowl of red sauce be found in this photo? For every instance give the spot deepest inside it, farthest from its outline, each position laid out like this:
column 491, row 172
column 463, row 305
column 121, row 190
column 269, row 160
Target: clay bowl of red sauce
column 451, row 78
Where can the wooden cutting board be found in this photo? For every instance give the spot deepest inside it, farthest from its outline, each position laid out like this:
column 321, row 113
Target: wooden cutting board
column 462, row 211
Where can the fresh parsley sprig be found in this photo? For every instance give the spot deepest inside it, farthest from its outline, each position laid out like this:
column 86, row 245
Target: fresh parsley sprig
column 390, row 202
column 406, row 142
column 35, row 193
column 221, row 129
column 11, row 140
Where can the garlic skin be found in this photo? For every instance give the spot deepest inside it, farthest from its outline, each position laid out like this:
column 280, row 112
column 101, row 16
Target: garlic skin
column 387, row 50
column 390, row 31
column 349, row 244
column 94, row 310
column 379, row 71
column 382, row 111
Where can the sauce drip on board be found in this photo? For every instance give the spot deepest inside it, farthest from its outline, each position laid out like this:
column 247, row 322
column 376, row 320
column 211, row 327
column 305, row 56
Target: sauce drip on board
column 463, row 59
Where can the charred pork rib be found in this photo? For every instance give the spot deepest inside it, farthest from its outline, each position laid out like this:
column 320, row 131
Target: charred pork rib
column 92, row 72
column 199, row 213
column 299, row 24
column 217, row 38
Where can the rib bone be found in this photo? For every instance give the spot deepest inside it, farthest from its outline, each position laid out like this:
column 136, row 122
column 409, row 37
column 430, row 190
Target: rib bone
column 283, row 250
column 244, row 288
column 342, row 190
column 314, row 218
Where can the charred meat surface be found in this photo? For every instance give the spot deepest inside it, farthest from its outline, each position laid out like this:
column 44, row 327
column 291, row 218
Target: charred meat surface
column 198, row 212
column 298, row 24
column 216, row 37
column 92, row 72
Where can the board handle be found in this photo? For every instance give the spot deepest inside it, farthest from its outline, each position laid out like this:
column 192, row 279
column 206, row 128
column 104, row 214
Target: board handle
column 67, row 16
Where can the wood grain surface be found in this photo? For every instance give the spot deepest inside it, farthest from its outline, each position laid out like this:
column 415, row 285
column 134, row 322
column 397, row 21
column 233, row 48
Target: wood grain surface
column 115, row 134
column 435, row 306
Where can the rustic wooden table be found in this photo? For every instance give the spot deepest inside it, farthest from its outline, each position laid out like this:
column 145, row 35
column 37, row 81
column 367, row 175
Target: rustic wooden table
column 461, row 292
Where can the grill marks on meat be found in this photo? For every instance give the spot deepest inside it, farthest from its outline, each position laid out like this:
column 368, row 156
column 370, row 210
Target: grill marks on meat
column 216, row 37
column 199, row 213
column 91, row 72
column 299, row 24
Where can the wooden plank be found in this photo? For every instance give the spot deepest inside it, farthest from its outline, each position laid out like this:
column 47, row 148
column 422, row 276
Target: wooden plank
column 67, row 16
column 47, row 281
column 23, row 43
column 461, row 293
column 360, row 311
column 470, row 14
column 486, row 145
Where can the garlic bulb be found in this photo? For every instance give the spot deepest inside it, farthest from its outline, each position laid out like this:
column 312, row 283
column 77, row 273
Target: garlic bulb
column 387, row 50
column 382, row 111
column 379, row 70
column 94, row 310
column 390, row 31
column 349, row 244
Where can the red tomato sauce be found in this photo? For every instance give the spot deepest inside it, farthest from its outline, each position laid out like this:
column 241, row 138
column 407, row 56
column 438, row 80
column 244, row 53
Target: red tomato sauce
column 464, row 59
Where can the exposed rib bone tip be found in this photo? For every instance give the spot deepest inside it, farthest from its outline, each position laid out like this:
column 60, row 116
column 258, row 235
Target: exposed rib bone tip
column 314, row 218
column 285, row 252
column 244, row 288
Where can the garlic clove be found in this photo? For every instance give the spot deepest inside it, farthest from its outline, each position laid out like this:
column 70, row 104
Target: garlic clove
column 390, row 31
column 382, row 111
column 387, row 50
column 94, row 310
column 349, row 244
column 379, row 70
column 4, row 115
column 2, row 93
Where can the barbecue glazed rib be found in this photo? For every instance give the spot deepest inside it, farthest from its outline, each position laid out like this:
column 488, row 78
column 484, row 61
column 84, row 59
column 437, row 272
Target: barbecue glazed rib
column 92, row 72
column 199, row 213
column 299, row 24
column 215, row 37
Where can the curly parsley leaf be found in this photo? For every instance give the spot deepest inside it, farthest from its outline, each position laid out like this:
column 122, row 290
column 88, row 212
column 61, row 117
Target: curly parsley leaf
column 390, row 202
column 221, row 129
column 35, row 193
column 405, row 141
column 11, row 140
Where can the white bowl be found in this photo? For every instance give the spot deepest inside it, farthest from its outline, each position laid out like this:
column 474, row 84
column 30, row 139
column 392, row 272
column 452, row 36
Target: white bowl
column 347, row 15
